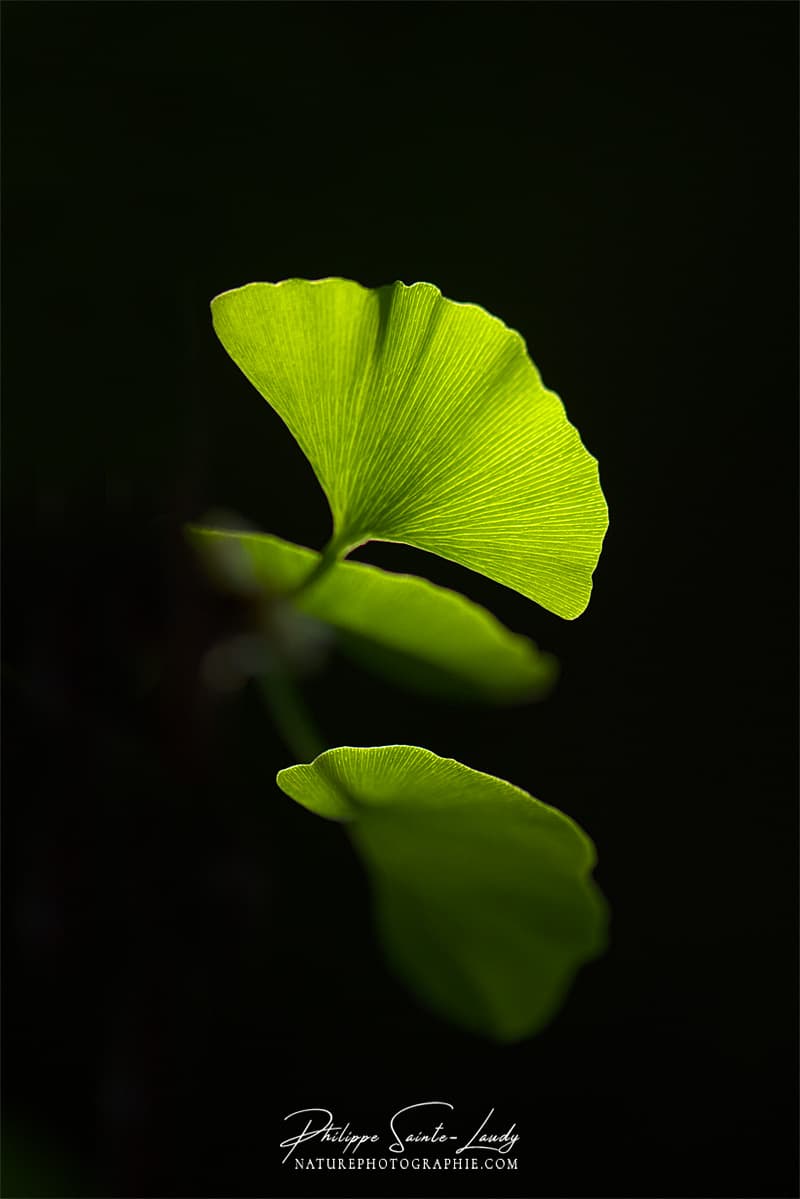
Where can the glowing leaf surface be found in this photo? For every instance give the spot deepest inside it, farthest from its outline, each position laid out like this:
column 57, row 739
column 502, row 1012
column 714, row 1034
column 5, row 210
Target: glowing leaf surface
column 483, row 897
column 426, row 423
column 425, row 636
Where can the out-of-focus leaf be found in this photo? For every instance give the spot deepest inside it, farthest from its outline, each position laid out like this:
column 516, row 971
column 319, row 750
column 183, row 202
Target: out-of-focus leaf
column 420, row 635
column 483, row 895
column 426, row 423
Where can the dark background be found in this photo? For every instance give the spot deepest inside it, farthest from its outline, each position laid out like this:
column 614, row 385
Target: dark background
column 188, row 955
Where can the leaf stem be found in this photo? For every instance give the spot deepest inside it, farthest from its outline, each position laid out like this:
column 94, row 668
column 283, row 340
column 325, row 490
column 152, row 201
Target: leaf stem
column 290, row 715
column 279, row 687
column 334, row 552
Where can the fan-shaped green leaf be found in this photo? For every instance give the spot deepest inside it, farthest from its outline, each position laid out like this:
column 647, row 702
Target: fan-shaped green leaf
column 426, row 423
column 421, row 635
column 483, row 896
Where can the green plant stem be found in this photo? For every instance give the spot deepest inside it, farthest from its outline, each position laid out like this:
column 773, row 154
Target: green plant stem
column 330, row 556
column 280, row 689
column 335, row 551
column 290, row 715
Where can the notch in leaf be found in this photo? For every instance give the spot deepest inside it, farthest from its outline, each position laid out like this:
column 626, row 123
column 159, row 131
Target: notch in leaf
column 426, row 423
column 483, row 896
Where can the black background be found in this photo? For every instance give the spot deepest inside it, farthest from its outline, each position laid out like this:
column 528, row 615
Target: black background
column 188, row 956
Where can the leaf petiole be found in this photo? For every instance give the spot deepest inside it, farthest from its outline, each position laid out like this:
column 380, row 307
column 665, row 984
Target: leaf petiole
column 335, row 551
column 290, row 715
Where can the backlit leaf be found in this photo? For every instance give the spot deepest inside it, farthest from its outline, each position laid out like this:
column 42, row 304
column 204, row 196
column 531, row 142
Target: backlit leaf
column 426, row 423
column 483, row 895
column 421, row 635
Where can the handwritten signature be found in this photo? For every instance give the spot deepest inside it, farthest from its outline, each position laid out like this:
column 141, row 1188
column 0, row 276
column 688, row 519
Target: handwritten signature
column 402, row 1130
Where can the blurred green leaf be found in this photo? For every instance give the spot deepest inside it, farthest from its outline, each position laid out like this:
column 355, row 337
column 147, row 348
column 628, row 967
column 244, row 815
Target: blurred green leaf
column 483, row 895
column 420, row 635
column 426, row 423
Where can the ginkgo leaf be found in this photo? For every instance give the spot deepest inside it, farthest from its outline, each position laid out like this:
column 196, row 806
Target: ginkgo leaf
column 483, row 896
column 426, row 423
column 421, row 635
